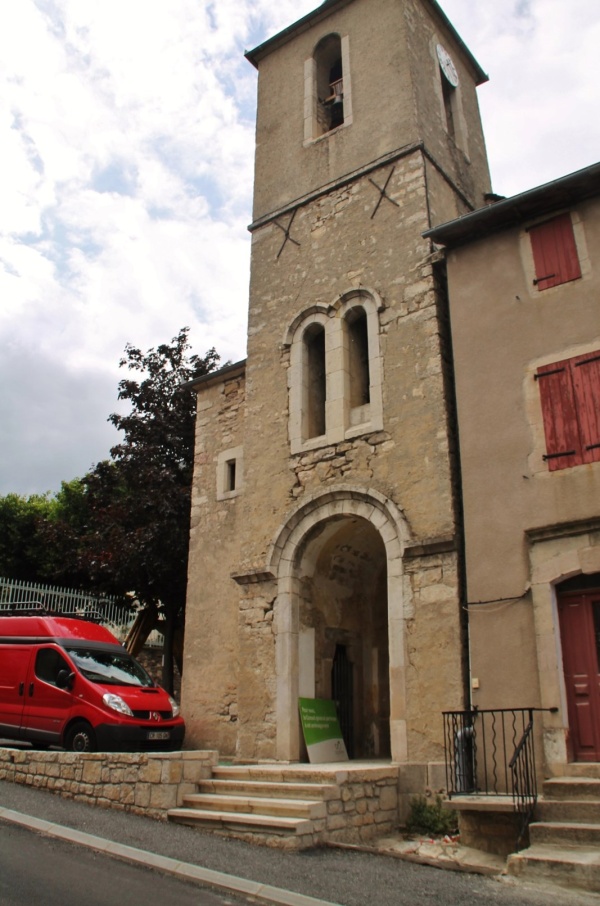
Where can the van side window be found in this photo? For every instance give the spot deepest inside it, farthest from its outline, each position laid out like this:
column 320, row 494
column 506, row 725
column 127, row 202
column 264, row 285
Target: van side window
column 48, row 662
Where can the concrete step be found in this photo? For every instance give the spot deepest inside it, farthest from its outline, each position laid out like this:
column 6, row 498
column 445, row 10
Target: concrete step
column 273, row 773
column 240, row 822
column 580, row 788
column 259, row 803
column 271, row 789
column 293, row 806
column 584, row 769
column 576, row 867
column 565, row 833
column 286, row 773
column 256, row 805
column 565, row 810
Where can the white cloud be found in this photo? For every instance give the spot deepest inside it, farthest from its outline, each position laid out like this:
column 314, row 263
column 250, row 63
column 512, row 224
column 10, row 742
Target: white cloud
column 539, row 107
column 127, row 130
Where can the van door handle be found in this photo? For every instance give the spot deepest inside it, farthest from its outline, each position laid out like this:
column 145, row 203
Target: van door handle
column 21, row 688
column 30, row 689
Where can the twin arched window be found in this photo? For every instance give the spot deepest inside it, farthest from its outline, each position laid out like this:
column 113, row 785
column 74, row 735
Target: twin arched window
column 335, row 372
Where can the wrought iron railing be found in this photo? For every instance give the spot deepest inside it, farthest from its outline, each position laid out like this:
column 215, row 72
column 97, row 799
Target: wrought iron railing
column 492, row 753
column 524, row 781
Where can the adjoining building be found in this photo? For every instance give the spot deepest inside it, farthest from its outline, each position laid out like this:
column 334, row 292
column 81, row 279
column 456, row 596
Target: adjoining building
column 524, row 289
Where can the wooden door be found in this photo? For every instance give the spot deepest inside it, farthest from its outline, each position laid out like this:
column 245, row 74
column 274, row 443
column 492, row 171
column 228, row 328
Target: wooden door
column 579, row 615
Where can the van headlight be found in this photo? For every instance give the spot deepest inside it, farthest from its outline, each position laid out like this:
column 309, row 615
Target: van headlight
column 116, row 703
column 174, row 706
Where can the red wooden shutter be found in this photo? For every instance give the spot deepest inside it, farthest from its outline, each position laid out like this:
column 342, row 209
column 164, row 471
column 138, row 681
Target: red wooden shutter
column 585, row 371
column 563, row 444
column 554, row 252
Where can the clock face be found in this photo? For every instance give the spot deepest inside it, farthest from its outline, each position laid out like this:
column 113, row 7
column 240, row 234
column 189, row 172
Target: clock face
column 447, row 66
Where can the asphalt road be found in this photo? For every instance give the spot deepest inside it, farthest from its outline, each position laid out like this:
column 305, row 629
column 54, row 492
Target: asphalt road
column 349, row 878
column 40, row 871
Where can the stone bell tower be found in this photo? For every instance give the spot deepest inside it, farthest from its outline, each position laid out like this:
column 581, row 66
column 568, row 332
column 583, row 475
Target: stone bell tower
column 324, row 558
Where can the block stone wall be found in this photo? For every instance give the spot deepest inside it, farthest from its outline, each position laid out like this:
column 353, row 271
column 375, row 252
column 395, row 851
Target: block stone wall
column 144, row 783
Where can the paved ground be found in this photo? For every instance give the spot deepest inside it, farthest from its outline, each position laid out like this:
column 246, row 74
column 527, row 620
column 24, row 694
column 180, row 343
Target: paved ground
column 345, row 877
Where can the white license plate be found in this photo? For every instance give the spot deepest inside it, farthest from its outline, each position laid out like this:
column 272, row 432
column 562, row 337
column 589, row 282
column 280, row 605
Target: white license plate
column 159, row 734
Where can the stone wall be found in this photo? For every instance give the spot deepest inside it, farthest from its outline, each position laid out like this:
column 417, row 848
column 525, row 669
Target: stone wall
column 489, row 831
column 338, row 234
column 367, row 807
column 145, row 783
column 233, row 667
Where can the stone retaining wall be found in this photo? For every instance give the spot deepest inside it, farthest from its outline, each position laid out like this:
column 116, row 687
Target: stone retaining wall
column 363, row 807
column 145, row 783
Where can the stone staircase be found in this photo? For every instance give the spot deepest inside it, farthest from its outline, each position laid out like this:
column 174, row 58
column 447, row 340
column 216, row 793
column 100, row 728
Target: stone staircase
column 565, row 837
column 287, row 806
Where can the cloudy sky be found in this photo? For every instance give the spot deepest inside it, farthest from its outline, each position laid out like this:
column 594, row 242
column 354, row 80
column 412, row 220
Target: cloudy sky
column 127, row 129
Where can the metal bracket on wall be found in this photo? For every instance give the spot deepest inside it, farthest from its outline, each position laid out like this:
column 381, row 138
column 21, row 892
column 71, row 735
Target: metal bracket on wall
column 383, row 192
column 286, row 230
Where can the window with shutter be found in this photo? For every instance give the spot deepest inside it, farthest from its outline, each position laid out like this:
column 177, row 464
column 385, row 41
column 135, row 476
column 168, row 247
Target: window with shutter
column 554, row 251
column 586, row 383
column 570, row 398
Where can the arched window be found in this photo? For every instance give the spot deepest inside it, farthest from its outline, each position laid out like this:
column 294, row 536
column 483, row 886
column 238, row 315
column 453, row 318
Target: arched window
column 330, row 83
column 449, row 96
column 357, row 346
column 314, row 382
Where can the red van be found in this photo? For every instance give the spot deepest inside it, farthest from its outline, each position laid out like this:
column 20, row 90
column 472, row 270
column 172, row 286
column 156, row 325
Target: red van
column 69, row 682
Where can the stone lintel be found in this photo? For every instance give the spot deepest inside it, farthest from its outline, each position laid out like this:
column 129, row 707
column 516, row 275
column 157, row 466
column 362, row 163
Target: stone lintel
column 563, row 529
column 253, row 576
column 442, row 545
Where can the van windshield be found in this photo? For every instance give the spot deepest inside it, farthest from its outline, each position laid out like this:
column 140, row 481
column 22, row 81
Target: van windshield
column 109, row 669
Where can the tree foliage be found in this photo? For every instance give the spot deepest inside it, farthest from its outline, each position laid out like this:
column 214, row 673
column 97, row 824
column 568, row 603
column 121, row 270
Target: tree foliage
column 38, row 535
column 140, row 501
column 22, row 554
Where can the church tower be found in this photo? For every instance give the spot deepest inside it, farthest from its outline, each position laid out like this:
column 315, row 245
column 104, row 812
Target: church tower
column 325, row 544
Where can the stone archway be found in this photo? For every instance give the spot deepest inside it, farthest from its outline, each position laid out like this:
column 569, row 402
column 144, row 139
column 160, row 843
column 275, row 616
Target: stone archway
column 338, row 565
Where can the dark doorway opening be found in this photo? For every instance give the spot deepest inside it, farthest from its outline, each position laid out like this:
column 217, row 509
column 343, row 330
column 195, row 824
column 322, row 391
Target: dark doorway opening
column 342, row 691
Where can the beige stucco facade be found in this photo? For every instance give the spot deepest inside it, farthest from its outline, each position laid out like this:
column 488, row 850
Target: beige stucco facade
column 528, row 528
column 315, row 547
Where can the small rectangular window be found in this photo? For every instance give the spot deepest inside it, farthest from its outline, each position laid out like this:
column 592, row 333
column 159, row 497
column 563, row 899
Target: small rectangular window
column 230, row 475
column 554, row 251
column 570, row 398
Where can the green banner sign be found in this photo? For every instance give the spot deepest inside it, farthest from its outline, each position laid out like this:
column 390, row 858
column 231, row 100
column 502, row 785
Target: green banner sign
column 322, row 733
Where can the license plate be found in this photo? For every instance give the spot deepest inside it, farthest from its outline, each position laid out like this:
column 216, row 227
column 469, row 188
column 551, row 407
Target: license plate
column 159, row 734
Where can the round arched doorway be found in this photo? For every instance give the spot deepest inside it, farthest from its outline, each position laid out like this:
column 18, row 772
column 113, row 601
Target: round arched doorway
column 343, row 629
column 338, row 563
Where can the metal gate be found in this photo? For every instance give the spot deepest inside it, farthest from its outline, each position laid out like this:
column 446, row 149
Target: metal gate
column 342, row 691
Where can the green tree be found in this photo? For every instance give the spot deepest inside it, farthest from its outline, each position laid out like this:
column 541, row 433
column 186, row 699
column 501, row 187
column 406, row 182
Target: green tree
column 138, row 504
column 23, row 554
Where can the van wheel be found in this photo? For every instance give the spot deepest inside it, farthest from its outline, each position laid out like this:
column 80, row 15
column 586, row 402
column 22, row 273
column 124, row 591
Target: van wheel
column 80, row 738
